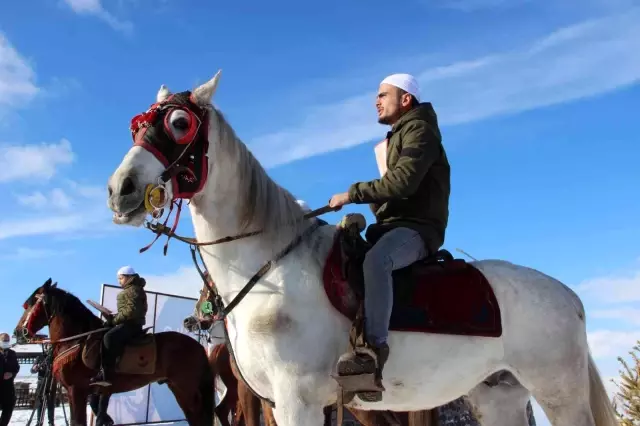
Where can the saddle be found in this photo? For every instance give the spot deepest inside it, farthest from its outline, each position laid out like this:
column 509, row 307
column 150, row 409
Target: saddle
column 139, row 355
column 439, row 294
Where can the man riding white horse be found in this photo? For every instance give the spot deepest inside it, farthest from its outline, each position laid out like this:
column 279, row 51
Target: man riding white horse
column 411, row 205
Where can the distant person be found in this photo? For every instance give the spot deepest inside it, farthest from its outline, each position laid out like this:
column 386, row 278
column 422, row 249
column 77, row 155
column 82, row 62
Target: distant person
column 40, row 367
column 127, row 323
column 9, row 368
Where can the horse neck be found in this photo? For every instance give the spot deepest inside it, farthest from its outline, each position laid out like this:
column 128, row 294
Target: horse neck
column 219, row 209
column 63, row 326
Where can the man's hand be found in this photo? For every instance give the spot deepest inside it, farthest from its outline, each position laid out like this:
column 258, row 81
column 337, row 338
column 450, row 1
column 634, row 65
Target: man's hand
column 108, row 320
column 339, row 200
column 7, row 376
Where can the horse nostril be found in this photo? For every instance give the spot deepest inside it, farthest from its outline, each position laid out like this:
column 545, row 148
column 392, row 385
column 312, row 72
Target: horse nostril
column 127, row 187
column 110, row 190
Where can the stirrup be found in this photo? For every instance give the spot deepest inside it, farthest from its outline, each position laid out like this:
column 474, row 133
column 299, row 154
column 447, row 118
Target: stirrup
column 358, row 372
column 99, row 379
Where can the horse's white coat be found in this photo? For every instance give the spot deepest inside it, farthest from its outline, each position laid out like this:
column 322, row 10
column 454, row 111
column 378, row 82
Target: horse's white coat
column 287, row 337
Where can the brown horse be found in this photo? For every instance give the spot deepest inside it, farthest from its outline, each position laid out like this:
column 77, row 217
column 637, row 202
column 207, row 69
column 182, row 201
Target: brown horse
column 246, row 405
column 168, row 357
column 238, row 401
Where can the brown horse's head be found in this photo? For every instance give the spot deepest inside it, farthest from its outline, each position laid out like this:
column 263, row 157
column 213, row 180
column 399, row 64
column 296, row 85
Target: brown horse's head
column 205, row 309
column 49, row 302
column 35, row 316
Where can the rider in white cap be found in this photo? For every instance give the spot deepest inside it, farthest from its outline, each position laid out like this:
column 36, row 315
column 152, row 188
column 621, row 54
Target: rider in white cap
column 411, row 205
column 127, row 323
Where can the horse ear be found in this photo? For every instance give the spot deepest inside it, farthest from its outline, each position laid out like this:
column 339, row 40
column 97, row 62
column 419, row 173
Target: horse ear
column 203, row 94
column 46, row 284
column 163, row 93
column 55, row 285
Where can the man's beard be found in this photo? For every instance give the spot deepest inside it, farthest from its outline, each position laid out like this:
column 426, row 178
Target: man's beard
column 384, row 120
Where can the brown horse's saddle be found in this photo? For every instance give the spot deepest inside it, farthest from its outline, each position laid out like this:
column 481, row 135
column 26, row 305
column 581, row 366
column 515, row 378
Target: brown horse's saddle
column 138, row 357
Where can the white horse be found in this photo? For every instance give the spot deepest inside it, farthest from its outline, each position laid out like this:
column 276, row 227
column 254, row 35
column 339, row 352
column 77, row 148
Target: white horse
column 286, row 335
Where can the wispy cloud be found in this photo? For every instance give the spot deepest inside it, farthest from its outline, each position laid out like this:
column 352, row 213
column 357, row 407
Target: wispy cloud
column 629, row 315
column 75, row 210
column 20, row 162
column 26, row 253
column 612, row 343
column 57, row 199
column 17, row 77
column 614, row 289
column 95, row 8
column 74, row 195
column 184, row 282
column 579, row 61
column 47, row 225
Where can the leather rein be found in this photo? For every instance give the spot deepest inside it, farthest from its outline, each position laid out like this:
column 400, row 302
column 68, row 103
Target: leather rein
column 194, row 245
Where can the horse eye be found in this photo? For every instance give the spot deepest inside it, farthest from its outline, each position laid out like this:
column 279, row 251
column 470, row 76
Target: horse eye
column 181, row 123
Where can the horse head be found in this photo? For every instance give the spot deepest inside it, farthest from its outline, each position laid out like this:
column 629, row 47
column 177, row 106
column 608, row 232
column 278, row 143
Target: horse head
column 170, row 156
column 37, row 311
column 205, row 309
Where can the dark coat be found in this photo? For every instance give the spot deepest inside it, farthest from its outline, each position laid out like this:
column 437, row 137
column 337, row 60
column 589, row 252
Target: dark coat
column 8, row 364
column 414, row 192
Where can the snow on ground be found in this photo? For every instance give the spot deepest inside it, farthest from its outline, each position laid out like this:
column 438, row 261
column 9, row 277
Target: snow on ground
column 21, row 417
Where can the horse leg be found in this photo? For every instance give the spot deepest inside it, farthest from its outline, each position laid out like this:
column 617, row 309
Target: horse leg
column 576, row 396
column 222, row 411
column 238, row 416
column 267, row 413
column 292, row 410
column 500, row 400
column 328, row 413
column 250, row 405
column 377, row 418
column 192, row 417
column 78, row 404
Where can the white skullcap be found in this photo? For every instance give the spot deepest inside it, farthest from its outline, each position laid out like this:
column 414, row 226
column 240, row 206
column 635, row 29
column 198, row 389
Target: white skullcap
column 304, row 205
column 126, row 270
column 406, row 82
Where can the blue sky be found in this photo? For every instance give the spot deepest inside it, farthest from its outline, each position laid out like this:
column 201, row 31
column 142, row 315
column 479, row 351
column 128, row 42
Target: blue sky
column 538, row 103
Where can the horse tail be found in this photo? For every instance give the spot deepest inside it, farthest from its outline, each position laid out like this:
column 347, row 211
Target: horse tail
column 206, row 387
column 601, row 406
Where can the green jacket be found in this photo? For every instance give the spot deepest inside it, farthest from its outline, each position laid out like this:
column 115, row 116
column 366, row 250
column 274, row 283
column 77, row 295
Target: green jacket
column 132, row 302
column 414, row 192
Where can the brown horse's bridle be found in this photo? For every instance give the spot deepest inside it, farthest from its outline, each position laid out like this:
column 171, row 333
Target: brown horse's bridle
column 42, row 300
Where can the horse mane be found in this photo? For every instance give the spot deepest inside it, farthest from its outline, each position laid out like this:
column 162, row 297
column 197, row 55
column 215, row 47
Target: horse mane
column 69, row 306
column 264, row 204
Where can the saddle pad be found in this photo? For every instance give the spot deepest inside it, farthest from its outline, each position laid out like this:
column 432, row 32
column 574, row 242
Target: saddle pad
column 139, row 357
column 452, row 297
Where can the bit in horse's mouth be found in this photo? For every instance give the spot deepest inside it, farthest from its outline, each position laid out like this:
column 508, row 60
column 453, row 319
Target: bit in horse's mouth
column 135, row 216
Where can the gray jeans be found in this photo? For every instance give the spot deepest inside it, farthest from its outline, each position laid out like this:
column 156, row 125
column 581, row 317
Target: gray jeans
column 396, row 249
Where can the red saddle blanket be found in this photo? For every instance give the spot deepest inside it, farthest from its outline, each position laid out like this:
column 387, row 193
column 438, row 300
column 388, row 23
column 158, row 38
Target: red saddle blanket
column 450, row 297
